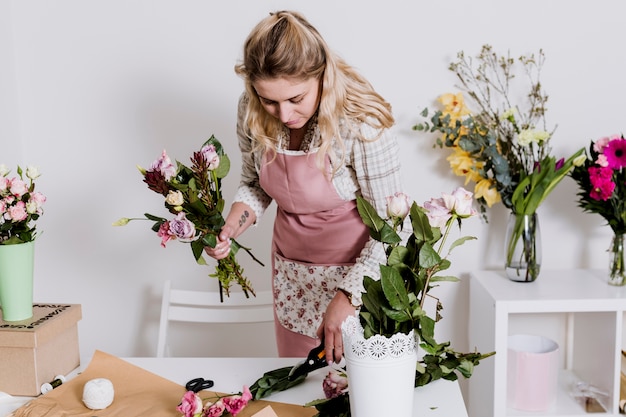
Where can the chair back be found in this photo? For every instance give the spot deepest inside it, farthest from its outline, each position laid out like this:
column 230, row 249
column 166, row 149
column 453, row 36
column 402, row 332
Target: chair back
column 207, row 307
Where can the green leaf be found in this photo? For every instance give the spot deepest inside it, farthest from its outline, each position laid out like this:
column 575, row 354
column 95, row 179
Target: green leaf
column 428, row 256
column 393, row 287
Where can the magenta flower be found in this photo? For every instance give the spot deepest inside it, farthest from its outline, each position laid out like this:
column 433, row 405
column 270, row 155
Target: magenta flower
column 164, row 233
column 191, row 405
column 615, row 153
column 601, row 179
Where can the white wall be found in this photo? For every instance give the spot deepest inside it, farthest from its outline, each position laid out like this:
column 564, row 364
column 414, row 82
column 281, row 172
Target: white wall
column 89, row 89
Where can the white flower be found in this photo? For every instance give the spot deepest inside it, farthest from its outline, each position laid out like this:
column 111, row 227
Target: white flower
column 398, row 205
column 528, row 136
column 175, row 198
column 32, row 172
column 4, row 170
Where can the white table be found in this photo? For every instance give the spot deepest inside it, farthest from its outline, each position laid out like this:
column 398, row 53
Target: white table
column 437, row 399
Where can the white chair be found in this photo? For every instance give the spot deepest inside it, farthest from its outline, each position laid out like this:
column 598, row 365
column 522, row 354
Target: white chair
column 206, row 307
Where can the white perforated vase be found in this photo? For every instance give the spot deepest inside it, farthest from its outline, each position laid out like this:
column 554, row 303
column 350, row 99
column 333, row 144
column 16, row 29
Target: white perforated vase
column 381, row 372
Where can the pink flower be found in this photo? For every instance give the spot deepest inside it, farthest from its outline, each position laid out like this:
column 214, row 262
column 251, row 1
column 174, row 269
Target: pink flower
column 210, row 156
column 398, row 206
column 438, row 214
column 214, row 410
column 335, row 384
column 601, row 161
column 17, row 213
column 164, row 233
column 615, row 153
column 164, row 166
column 601, row 179
column 182, row 228
column 460, row 202
column 38, row 199
column 191, row 405
column 235, row 403
column 18, row 187
column 600, row 144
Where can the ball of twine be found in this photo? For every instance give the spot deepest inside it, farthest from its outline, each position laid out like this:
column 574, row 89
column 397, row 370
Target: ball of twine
column 98, row 393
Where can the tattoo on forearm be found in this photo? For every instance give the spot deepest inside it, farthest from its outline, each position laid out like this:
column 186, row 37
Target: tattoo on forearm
column 244, row 218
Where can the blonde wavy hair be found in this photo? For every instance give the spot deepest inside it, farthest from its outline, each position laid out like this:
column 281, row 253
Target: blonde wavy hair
column 286, row 45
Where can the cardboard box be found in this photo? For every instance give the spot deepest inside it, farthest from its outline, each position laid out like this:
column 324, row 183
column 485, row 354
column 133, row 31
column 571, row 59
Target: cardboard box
column 35, row 351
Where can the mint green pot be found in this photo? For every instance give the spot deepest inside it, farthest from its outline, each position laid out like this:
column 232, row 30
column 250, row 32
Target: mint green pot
column 16, row 281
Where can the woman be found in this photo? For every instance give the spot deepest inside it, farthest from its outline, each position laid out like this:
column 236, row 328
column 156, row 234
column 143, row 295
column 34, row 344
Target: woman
column 313, row 135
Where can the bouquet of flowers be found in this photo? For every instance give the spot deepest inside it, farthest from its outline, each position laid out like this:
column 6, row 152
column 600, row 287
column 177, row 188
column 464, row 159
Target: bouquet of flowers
column 192, row 194
column 602, row 190
column 20, row 205
column 502, row 147
column 602, row 181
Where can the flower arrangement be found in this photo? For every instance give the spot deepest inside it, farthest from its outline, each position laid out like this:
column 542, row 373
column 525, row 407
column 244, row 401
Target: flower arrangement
column 602, row 189
column 192, row 194
column 192, row 405
column 396, row 302
column 20, row 205
column 502, row 147
column 602, row 181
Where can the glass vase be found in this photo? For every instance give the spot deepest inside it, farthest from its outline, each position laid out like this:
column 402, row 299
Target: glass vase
column 617, row 273
column 523, row 247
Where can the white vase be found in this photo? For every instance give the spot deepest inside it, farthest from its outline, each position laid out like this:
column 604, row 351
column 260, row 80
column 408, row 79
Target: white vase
column 381, row 372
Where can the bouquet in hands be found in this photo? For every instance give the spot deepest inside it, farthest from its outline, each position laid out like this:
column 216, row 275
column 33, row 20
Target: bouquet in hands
column 192, row 194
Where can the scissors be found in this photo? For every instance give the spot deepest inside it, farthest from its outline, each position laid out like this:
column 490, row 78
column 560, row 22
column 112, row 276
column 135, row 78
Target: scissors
column 198, row 384
column 314, row 360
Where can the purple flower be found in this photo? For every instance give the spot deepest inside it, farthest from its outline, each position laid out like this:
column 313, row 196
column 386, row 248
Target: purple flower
column 164, row 166
column 210, row 156
column 182, row 228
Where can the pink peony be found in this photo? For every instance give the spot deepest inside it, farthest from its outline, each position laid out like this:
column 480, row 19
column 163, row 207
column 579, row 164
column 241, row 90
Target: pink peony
column 17, row 213
column 191, row 405
column 235, row 403
column 18, row 187
column 210, row 156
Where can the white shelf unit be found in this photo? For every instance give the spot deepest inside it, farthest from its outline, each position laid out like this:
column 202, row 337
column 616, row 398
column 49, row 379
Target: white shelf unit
column 576, row 308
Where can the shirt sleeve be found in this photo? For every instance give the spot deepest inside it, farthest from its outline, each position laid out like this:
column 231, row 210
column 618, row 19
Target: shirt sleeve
column 376, row 165
column 249, row 191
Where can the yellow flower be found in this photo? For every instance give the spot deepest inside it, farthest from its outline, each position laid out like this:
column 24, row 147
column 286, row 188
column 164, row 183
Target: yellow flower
column 454, row 105
column 464, row 165
column 486, row 189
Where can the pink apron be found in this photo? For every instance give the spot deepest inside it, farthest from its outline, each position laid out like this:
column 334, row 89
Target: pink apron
column 317, row 237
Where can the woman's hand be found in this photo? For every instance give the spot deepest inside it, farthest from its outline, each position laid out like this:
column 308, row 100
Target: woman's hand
column 222, row 248
column 337, row 311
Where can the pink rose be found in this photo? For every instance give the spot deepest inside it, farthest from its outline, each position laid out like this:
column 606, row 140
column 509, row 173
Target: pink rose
column 600, row 144
column 437, row 212
column 164, row 166
column 398, row 206
column 191, row 405
column 235, row 403
column 460, row 203
column 18, row 212
column 210, row 156
column 38, row 199
column 18, row 187
column 182, row 228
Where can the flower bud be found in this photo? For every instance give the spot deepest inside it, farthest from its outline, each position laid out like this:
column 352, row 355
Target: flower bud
column 398, row 206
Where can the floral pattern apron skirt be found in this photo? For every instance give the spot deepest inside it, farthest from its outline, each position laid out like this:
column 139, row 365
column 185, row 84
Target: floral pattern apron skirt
column 317, row 237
